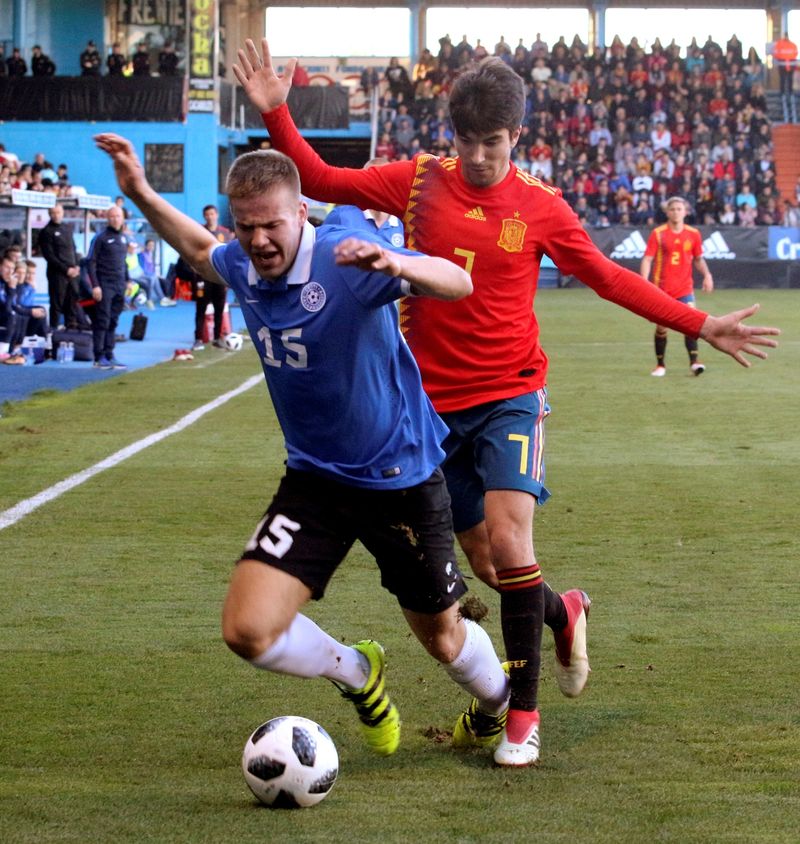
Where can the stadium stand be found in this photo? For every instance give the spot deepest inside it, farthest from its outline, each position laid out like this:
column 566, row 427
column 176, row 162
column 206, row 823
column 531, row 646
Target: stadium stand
column 621, row 129
column 618, row 128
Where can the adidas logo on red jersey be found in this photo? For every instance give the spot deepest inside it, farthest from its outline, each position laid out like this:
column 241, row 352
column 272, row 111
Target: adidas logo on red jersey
column 476, row 214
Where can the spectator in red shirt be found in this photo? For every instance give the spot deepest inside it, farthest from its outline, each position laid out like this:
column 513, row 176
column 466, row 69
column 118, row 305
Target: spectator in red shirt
column 712, row 77
column 724, row 169
column 385, row 148
column 638, row 74
column 541, row 147
column 579, row 126
column 583, row 184
column 785, row 54
column 681, row 133
column 300, row 77
column 718, row 105
column 675, row 76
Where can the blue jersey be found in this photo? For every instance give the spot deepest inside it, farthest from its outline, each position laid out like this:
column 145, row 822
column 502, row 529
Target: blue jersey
column 346, row 389
column 22, row 299
column 351, row 217
column 106, row 259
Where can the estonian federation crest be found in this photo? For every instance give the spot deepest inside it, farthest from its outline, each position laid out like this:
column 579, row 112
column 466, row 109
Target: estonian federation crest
column 512, row 235
column 312, row 296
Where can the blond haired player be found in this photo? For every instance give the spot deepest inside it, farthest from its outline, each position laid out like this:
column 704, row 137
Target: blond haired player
column 672, row 250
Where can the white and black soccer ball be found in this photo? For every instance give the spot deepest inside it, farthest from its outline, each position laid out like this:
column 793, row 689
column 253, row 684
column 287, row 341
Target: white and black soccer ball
column 233, row 341
column 290, row 762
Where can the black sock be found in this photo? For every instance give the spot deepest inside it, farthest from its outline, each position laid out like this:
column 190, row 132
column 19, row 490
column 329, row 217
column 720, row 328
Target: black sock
column 661, row 348
column 691, row 347
column 522, row 615
column 555, row 612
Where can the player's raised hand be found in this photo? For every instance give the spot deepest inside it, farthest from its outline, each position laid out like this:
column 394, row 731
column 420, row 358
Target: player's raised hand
column 265, row 89
column 127, row 167
column 366, row 255
column 729, row 334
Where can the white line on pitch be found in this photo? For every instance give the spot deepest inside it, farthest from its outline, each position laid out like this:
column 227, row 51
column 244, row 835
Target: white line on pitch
column 213, row 361
column 24, row 508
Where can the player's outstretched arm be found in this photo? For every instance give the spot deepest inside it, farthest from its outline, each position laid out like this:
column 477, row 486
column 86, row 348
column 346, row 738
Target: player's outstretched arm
column 435, row 277
column 265, row 89
column 193, row 241
column 729, row 334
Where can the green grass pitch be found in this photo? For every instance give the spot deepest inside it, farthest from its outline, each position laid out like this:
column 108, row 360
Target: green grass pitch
column 123, row 716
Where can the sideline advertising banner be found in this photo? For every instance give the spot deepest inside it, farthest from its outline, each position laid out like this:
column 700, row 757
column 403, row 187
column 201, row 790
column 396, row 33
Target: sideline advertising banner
column 720, row 243
column 764, row 256
column 784, row 243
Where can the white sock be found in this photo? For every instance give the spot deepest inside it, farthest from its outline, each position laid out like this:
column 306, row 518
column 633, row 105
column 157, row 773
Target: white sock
column 305, row 650
column 478, row 670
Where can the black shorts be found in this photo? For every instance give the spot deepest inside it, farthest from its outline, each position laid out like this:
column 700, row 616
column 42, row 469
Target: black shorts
column 312, row 523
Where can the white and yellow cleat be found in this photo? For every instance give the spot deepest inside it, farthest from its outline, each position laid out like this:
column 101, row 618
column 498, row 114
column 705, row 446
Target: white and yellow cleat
column 380, row 721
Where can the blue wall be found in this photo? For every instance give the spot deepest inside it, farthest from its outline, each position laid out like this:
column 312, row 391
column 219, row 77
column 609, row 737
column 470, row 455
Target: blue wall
column 71, row 25
column 60, row 27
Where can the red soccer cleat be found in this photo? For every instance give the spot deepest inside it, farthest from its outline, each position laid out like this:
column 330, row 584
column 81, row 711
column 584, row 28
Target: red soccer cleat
column 572, row 662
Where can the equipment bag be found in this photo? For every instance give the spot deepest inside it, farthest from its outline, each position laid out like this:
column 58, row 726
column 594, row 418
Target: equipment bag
column 81, row 342
column 138, row 327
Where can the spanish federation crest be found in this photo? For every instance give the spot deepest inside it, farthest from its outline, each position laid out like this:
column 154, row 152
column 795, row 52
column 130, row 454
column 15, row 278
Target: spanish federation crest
column 512, row 235
column 312, row 296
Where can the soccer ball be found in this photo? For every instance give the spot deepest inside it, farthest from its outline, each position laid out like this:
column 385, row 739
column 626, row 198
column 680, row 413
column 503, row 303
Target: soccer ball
column 233, row 341
column 290, row 762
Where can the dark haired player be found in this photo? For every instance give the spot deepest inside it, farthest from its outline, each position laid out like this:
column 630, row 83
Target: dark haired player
column 480, row 359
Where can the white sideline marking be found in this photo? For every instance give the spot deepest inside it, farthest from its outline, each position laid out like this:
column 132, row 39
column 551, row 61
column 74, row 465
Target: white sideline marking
column 213, row 361
column 24, row 508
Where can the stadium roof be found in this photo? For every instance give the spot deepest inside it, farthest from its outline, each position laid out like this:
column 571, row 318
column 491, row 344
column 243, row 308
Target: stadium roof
column 766, row 5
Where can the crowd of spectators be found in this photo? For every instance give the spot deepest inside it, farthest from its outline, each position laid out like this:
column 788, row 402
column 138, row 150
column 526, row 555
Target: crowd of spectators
column 19, row 313
column 40, row 175
column 37, row 175
column 617, row 129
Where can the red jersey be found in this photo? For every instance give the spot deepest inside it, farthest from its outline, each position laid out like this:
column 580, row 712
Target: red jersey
column 484, row 347
column 221, row 233
column 785, row 52
column 673, row 255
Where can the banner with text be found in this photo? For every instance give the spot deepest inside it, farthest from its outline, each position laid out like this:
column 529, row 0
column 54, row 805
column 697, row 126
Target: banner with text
column 720, row 243
column 737, row 257
column 784, row 243
column 202, row 55
column 152, row 12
